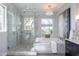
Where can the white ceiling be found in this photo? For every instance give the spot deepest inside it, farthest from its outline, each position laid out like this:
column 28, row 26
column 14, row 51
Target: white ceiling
column 35, row 8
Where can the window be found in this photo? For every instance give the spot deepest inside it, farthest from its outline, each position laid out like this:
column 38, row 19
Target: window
column 28, row 24
column 46, row 21
column 46, row 26
column 2, row 18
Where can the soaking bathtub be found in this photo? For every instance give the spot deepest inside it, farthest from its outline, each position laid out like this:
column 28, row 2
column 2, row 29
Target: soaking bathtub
column 44, row 45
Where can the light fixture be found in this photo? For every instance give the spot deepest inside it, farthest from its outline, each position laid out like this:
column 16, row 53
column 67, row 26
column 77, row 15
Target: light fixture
column 77, row 17
column 49, row 13
column 47, row 8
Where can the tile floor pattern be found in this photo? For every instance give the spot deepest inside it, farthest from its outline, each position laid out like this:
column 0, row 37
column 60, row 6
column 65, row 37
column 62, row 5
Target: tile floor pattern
column 19, row 49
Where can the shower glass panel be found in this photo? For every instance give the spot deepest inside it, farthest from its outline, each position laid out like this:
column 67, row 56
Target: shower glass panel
column 11, row 27
column 28, row 32
column 18, row 29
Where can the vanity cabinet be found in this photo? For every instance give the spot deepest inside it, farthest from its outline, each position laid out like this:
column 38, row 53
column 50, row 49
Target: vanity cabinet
column 72, row 49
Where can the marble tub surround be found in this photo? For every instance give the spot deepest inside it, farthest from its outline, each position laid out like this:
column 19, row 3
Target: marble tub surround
column 48, row 45
column 42, row 40
column 41, row 48
column 53, row 47
column 49, row 40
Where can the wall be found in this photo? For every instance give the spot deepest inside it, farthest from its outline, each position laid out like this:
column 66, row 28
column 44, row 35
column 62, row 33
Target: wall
column 3, row 43
column 3, row 37
column 74, row 11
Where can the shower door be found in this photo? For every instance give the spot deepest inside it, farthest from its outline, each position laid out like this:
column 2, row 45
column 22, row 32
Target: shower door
column 11, row 29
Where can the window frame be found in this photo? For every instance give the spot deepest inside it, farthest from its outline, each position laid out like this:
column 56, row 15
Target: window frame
column 27, row 24
column 4, row 24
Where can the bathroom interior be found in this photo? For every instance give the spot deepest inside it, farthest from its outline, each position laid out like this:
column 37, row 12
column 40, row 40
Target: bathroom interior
column 39, row 29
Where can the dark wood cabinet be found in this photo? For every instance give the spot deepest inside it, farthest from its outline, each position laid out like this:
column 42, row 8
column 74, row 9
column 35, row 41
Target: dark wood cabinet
column 72, row 49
